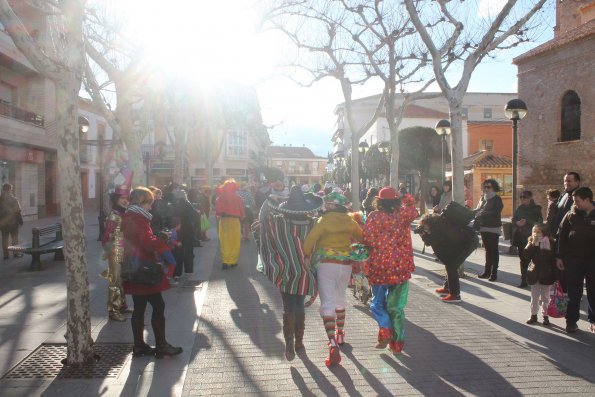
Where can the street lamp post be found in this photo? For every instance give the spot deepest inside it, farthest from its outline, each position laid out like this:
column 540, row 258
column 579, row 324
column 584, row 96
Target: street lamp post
column 443, row 129
column 515, row 110
column 363, row 148
column 384, row 147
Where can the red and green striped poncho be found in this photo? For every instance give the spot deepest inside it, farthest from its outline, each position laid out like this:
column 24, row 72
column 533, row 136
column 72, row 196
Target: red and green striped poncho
column 282, row 254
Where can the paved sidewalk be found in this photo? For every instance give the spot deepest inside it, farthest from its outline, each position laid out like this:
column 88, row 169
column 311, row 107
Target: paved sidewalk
column 449, row 349
column 230, row 329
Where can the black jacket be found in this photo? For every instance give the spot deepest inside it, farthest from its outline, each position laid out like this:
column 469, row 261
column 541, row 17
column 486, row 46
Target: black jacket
column 564, row 205
column 451, row 244
column 577, row 236
column 532, row 214
column 489, row 213
column 544, row 262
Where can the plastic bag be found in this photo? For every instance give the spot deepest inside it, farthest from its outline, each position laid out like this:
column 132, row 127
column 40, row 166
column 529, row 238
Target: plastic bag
column 558, row 302
column 204, row 223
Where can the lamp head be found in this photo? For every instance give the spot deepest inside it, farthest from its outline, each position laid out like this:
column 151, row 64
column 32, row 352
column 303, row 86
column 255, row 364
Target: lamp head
column 515, row 109
column 443, row 127
column 363, row 147
column 383, row 147
column 83, row 124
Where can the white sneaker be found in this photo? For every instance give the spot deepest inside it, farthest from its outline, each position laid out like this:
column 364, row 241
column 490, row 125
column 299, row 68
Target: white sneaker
column 592, row 328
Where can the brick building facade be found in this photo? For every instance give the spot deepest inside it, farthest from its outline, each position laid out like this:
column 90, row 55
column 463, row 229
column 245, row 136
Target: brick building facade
column 557, row 82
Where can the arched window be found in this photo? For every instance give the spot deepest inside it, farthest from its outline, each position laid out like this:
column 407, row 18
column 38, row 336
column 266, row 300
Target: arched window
column 571, row 117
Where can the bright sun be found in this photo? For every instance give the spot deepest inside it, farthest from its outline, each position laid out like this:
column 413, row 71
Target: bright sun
column 204, row 39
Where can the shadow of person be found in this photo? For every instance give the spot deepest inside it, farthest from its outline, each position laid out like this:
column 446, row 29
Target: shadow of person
column 300, row 383
column 434, row 367
column 321, row 380
column 251, row 316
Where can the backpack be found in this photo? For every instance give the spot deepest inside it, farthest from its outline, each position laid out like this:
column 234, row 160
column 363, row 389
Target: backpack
column 457, row 214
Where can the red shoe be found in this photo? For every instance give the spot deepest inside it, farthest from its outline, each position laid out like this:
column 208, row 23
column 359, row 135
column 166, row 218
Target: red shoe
column 396, row 347
column 384, row 337
column 340, row 337
column 451, row 298
column 334, row 357
column 442, row 291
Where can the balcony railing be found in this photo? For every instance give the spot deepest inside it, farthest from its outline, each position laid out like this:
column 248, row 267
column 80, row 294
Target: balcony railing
column 8, row 110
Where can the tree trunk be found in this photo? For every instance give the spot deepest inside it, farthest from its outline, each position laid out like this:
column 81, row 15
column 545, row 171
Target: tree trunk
column 423, row 190
column 78, row 336
column 132, row 141
column 456, row 151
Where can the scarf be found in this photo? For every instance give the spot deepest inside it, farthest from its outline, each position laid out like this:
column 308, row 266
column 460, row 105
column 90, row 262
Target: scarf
column 544, row 243
column 489, row 195
column 139, row 210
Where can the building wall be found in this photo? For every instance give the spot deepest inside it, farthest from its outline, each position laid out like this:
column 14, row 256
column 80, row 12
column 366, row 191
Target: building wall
column 499, row 134
column 569, row 15
column 543, row 80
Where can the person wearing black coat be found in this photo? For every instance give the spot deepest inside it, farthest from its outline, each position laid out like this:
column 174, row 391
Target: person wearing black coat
column 488, row 219
column 539, row 251
column 525, row 216
column 452, row 245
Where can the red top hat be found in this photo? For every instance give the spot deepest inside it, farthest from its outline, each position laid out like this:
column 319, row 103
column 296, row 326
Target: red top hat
column 388, row 193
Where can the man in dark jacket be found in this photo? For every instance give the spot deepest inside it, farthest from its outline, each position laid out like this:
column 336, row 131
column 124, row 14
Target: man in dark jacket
column 525, row 216
column 572, row 181
column 577, row 257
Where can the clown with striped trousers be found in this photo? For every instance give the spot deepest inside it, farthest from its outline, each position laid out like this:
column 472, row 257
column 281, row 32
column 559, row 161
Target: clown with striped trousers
column 330, row 241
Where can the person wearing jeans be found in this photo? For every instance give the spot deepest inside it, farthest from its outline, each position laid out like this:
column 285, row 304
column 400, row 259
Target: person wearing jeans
column 488, row 218
column 452, row 245
column 576, row 256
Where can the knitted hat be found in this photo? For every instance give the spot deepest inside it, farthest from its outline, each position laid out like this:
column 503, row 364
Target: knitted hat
column 337, row 199
column 300, row 203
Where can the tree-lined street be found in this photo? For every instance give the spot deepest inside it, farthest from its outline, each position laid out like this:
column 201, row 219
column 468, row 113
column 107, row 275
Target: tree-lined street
column 231, row 333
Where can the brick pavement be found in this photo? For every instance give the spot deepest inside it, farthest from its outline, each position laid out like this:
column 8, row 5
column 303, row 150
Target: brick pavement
column 449, row 350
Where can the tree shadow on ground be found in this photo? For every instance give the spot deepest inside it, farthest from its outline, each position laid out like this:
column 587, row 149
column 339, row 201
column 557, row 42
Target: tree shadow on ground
column 417, row 365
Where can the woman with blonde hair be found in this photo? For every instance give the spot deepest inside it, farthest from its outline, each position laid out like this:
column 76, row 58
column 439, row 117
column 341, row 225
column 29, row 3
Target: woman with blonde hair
column 229, row 209
column 142, row 244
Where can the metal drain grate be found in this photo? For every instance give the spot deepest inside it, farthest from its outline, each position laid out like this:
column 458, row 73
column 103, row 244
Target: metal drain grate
column 45, row 363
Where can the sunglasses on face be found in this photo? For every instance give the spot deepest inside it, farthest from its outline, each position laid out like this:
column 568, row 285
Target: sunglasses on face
column 487, row 187
column 524, row 197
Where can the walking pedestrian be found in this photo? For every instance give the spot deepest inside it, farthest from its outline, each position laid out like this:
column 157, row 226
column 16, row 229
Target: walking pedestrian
column 285, row 262
column 452, row 244
column 368, row 202
column 112, row 241
column 387, row 233
column 230, row 211
column 488, row 218
column 249, row 208
column 10, row 219
column 576, row 256
column 542, row 275
column 141, row 243
column 330, row 240
column 525, row 216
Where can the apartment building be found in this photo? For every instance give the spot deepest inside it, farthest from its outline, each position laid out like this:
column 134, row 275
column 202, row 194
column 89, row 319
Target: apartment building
column 299, row 164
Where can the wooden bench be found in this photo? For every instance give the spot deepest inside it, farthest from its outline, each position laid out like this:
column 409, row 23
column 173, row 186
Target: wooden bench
column 45, row 240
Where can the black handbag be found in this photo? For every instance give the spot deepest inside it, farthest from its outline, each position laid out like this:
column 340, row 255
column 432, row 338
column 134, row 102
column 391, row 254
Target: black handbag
column 140, row 271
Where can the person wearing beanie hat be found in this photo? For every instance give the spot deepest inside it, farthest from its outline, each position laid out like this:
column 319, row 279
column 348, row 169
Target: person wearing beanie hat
column 387, row 233
column 113, row 246
column 330, row 239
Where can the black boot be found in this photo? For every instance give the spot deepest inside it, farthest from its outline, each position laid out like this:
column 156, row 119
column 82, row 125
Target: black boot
column 486, row 272
column 494, row 276
column 546, row 320
column 300, row 325
column 532, row 319
column 288, row 334
column 140, row 347
column 163, row 348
